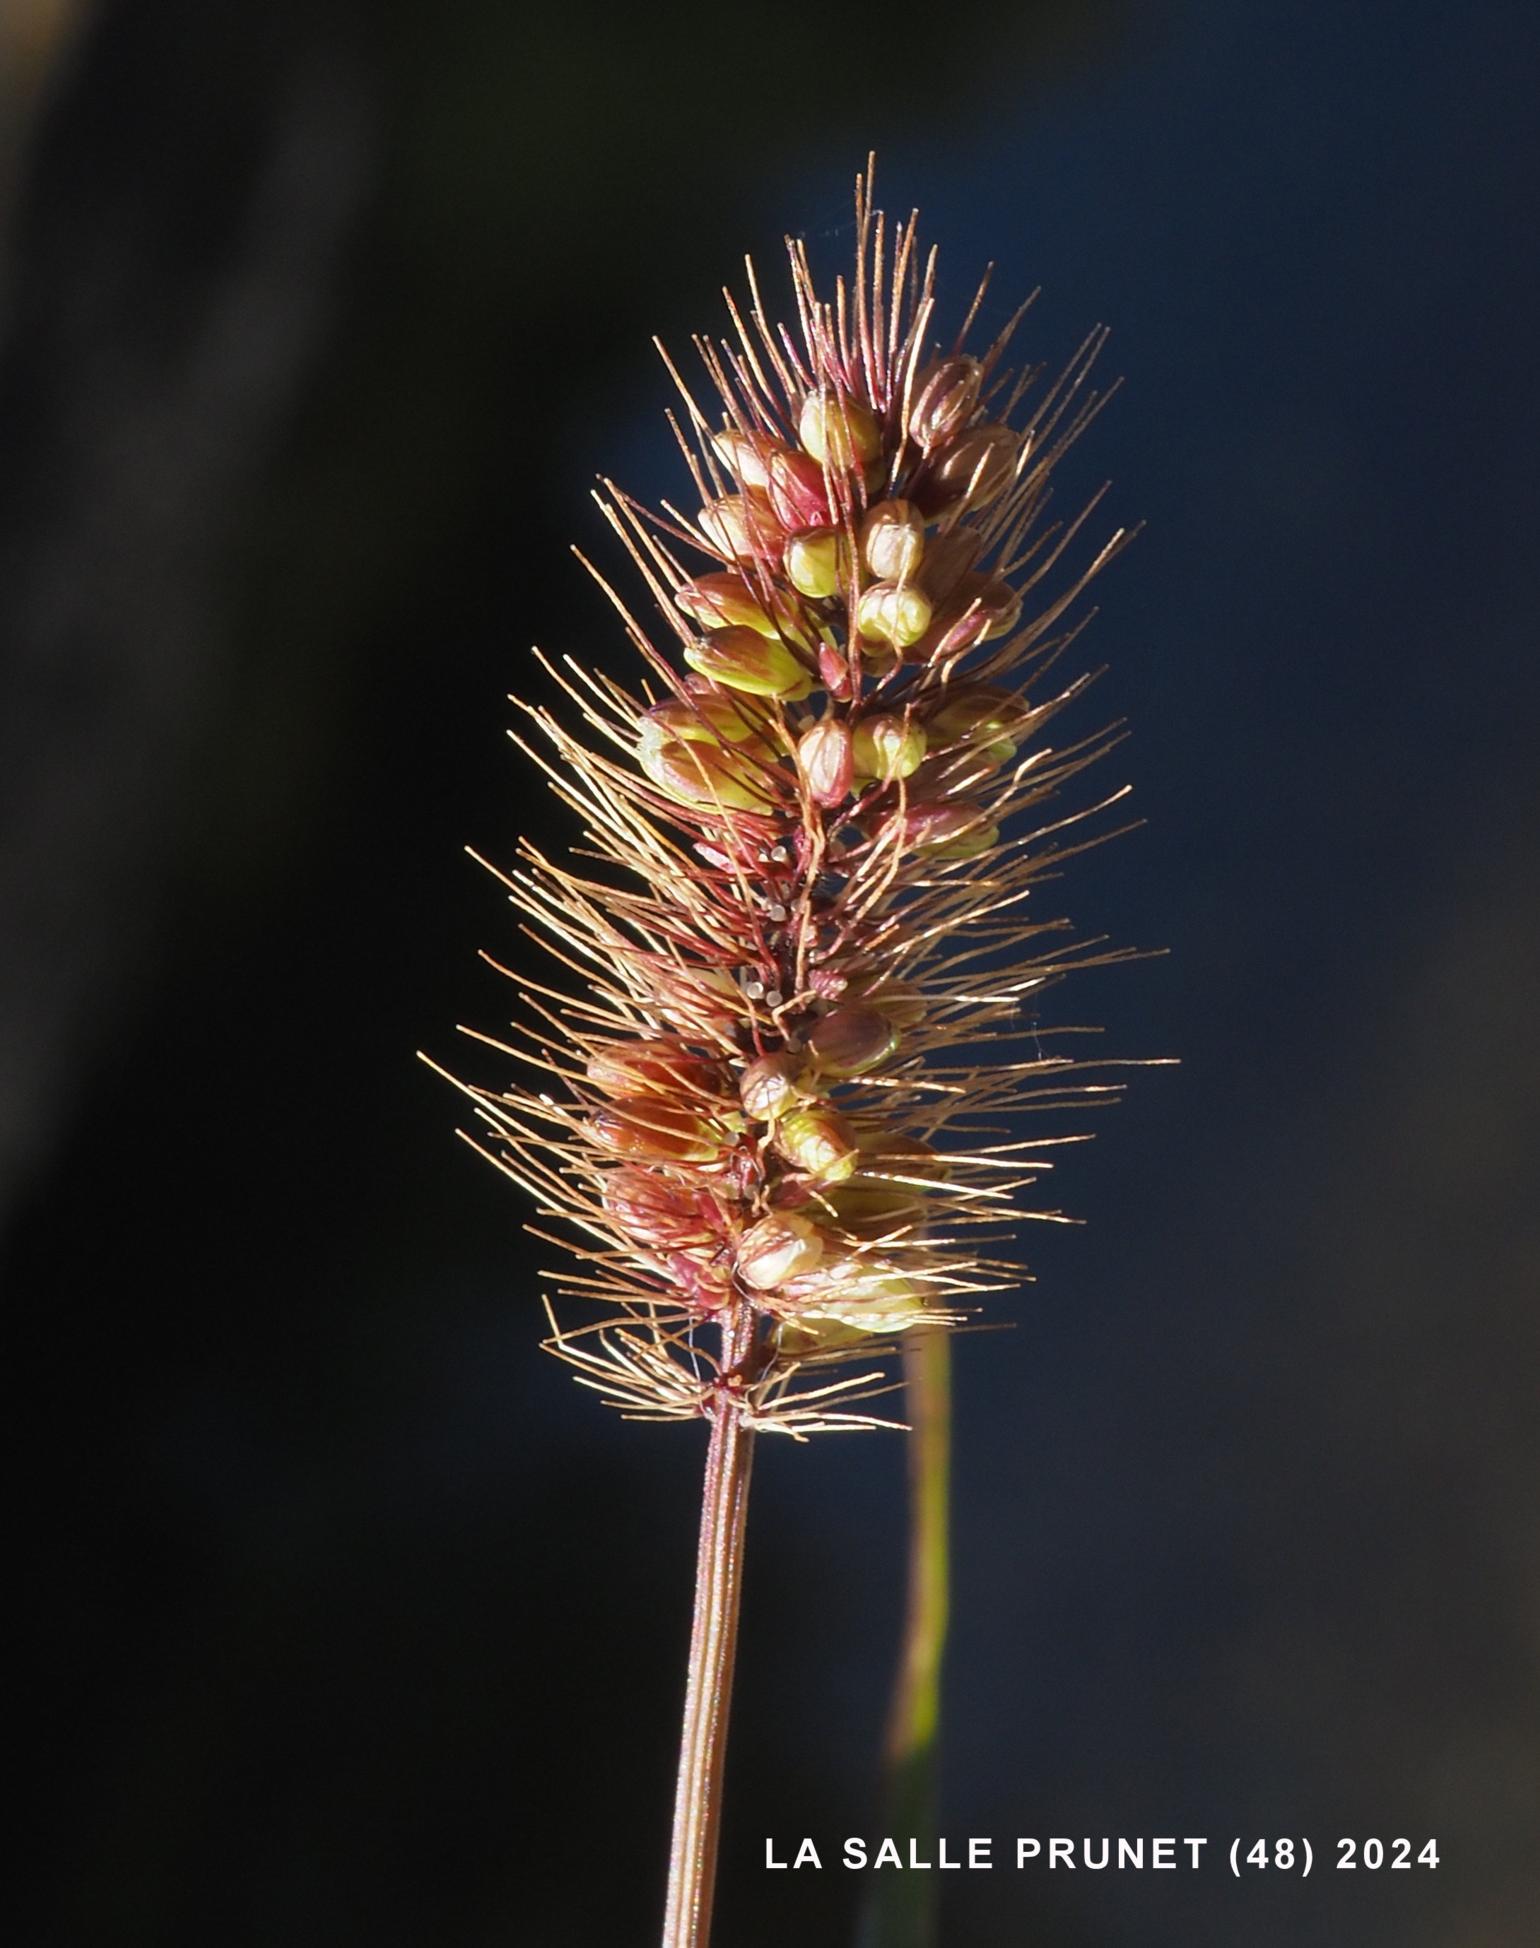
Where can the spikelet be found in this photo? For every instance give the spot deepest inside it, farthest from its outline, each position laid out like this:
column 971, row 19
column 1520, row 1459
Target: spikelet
column 803, row 922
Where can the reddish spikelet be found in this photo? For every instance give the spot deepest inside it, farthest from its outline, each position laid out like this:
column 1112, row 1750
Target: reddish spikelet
column 773, row 1103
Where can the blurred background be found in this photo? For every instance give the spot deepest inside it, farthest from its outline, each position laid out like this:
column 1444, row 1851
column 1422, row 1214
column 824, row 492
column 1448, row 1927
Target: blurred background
column 347, row 1618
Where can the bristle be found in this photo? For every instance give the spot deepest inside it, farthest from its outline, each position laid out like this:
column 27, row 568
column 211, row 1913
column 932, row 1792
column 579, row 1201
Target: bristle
column 776, row 1095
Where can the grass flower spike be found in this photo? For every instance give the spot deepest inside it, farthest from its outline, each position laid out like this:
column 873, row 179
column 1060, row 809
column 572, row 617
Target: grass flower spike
column 770, row 1093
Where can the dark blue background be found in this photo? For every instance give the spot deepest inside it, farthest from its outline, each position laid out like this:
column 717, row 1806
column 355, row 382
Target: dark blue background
column 350, row 1619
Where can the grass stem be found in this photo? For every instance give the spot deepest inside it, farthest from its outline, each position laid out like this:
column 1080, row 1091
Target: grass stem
column 713, row 1646
column 904, row 1908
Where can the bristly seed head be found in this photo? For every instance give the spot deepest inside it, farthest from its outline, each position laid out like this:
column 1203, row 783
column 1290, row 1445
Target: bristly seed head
column 773, row 1103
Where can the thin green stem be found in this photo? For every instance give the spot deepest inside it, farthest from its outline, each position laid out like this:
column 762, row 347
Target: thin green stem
column 713, row 1647
column 904, row 1908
